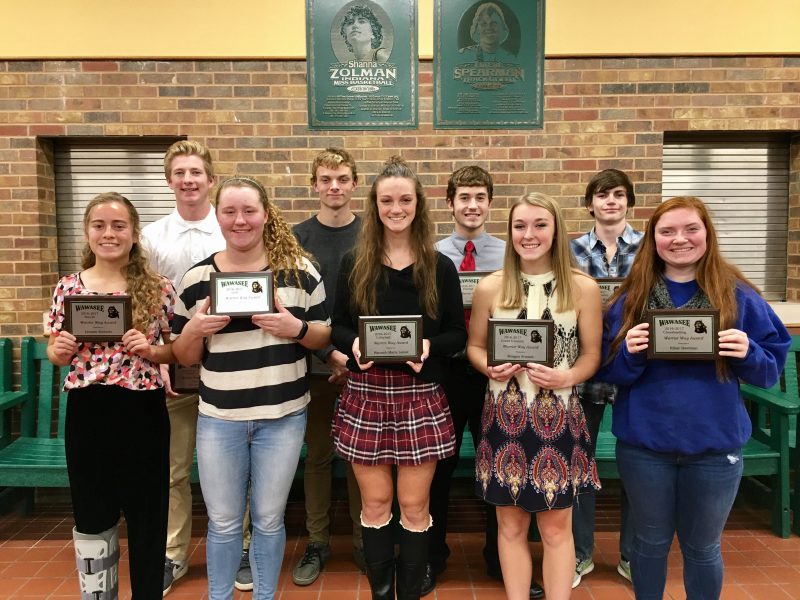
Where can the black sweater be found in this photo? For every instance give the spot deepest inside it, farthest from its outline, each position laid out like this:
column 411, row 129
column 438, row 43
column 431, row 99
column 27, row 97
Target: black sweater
column 399, row 296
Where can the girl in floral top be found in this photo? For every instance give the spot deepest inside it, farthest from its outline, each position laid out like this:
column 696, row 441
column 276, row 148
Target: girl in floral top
column 117, row 429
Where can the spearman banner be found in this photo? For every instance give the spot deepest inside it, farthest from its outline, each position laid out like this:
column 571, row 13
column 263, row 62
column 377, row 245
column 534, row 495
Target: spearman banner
column 488, row 64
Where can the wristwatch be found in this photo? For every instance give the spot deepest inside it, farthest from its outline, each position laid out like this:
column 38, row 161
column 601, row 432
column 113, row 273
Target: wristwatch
column 303, row 331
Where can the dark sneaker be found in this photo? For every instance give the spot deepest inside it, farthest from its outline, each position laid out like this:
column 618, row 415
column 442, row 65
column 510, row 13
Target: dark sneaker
column 244, row 576
column 310, row 565
column 537, row 591
column 173, row 570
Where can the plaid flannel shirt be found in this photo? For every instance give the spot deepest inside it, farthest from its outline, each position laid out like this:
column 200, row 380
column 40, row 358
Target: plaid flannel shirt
column 590, row 254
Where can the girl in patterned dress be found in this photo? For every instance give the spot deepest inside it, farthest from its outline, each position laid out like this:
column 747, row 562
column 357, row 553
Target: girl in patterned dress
column 117, row 430
column 396, row 413
column 535, row 451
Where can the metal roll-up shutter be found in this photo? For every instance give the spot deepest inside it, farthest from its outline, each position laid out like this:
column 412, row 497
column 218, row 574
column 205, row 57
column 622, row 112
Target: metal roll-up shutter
column 85, row 168
column 744, row 181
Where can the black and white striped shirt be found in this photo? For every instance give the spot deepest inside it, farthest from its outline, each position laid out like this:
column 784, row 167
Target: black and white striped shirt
column 246, row 372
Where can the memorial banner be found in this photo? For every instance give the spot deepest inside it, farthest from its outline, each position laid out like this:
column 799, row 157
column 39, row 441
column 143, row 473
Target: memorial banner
column 362, row 64
column 488, row 64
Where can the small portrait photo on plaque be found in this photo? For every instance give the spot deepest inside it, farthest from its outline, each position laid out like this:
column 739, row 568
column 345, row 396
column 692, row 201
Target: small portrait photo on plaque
column 185, row 380
column 241, row 294
column 520, row 341
column 608, row 285
column 683, row 334
column 469, row 281
column 98, row 317
column 362, row 31
column 394, row 339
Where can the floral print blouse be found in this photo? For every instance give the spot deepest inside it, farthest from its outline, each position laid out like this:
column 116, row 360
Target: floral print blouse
column 109, row 363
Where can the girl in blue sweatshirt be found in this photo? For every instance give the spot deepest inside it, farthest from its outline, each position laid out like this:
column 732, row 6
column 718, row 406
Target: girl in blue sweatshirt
column 681, row 425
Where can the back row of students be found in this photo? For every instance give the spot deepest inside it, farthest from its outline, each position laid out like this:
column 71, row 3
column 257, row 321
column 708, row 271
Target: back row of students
column 680, row 427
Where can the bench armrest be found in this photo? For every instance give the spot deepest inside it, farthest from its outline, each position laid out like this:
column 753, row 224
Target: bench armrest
column 9, row 400
column 12, row 399
column 780, row 402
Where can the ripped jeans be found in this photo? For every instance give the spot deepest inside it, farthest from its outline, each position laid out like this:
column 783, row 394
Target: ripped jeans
column 691, row 495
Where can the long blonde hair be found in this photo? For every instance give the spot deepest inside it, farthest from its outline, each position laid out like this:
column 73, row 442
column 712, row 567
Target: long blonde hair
column 284, row 252
column 369, row 252
column 142, row 283
column 563, row 264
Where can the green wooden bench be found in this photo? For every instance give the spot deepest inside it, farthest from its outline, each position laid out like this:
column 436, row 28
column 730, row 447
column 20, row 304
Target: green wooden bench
column 8, row 397
column 774, row 413
column 766, row 453
column 36, row 457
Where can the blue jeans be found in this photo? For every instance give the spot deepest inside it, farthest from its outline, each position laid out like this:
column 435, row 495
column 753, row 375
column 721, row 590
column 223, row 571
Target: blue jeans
column 583, row 511
column 230, row 454
column 691, row 495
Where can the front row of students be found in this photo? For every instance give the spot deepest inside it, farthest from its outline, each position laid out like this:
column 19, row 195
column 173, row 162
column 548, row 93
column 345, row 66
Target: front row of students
column 680, row 426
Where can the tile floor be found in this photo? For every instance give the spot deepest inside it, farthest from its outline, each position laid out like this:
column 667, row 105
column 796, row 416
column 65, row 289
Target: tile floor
column 36, row 558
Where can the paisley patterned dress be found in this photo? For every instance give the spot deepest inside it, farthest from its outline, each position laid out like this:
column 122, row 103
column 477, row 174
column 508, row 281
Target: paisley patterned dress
column 535, row 449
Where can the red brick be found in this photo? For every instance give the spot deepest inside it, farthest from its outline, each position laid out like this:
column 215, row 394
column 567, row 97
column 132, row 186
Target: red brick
column 580, row 115
column 13, row 130
column 580, row 165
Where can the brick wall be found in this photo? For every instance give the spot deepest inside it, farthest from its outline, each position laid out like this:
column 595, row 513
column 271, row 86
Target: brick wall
column 599, row 113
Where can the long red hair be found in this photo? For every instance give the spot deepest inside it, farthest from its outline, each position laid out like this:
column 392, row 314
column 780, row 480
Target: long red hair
column 715, row 275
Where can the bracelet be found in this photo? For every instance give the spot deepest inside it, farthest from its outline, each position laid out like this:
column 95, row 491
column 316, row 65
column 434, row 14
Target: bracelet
column 303, row 331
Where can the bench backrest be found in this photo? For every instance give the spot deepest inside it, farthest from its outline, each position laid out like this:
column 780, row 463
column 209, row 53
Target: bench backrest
column 6, row 366
column 789, row 378
column 608, row 413
column 45, row 381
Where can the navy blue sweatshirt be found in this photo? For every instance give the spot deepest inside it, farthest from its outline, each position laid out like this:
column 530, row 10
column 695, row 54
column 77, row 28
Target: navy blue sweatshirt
column 680, row 406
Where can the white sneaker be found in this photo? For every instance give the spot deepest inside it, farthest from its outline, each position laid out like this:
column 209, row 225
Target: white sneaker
column 624, row 569
column 582, row 567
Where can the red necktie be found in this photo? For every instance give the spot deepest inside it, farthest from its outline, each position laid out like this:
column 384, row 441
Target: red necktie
column 468, row 264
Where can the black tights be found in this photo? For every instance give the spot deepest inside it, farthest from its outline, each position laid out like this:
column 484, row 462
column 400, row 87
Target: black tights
column 117, row 448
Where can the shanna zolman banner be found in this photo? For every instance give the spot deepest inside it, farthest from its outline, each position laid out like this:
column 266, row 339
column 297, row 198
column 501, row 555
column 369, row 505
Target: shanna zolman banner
column 488, row 64
column 362, row 64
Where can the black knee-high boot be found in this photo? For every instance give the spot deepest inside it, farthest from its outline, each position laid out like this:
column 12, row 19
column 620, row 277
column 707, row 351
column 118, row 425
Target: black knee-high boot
column 411, row 563
column 379, row 558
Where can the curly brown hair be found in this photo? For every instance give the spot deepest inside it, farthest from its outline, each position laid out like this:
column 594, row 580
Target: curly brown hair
column 284, row 252
column 142, row 283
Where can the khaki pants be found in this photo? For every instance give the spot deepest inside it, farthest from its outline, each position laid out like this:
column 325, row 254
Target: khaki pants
column 317, row 479
column 183, row 426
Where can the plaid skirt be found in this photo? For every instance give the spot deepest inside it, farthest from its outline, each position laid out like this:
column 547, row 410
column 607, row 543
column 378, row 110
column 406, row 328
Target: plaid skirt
column 388, row 417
